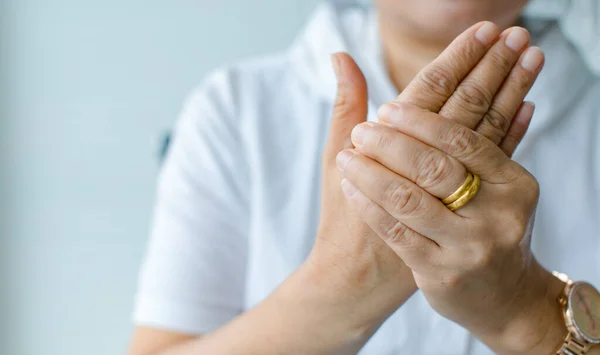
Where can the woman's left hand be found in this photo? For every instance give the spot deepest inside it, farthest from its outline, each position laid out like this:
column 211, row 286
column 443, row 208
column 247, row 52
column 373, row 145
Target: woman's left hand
column 475, row 265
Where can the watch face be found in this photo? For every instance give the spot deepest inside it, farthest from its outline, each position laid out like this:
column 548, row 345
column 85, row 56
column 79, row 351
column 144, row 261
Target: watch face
column 584, row 304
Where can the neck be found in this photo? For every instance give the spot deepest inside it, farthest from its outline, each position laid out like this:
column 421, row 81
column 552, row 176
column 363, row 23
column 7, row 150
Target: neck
column 406, row 54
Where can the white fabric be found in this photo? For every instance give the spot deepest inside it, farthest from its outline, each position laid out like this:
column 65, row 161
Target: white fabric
column 579, row 20
column 238, row 198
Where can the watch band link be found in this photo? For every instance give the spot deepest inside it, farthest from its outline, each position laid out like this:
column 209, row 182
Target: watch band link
column 573, row 346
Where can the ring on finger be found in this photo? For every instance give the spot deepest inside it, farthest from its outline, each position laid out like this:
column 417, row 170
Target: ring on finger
column 464, row 194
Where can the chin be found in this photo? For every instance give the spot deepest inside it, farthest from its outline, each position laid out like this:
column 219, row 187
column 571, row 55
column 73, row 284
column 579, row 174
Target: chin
column 446, row 19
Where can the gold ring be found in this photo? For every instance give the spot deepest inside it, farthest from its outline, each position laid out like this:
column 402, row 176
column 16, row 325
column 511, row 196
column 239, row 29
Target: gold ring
column 461, row 190
column 470, row 192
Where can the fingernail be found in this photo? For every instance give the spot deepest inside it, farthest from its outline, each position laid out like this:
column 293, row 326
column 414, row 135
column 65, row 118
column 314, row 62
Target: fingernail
column 385, row 112
column 343, row 158
column 487, row 33
column 524, row 116
column 530, row 105
column 517, row 39
column 360, row 132
column 526, row 112
column 532, row 59
column 348, row 189
column 335, row 63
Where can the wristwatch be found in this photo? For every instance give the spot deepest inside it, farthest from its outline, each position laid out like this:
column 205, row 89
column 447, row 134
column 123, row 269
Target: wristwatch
column 580, row 302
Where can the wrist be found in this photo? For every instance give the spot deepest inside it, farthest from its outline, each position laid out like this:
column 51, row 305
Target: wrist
column 365, row 267
column 551, row 329
column 377, row 274
column 537, row 326
column 361, row 290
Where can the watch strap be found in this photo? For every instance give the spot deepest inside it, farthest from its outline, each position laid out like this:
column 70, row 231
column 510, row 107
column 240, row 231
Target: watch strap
column 574, row 346
column 571, row 345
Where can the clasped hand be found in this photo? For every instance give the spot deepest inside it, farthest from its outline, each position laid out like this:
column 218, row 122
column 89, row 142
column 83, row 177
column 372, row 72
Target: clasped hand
column 463, row 113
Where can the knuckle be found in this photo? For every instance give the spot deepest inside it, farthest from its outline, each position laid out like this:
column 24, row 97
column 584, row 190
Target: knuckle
column 459, row 140
column 432, row 169
column 354, row 165
column 471, row 49
column 532, row 188
column 403, row 199
column 438, row 80
column 500, row 61
column 395, row 112
column 496, row 121
column 483, row 258
column 404, row 109
column 380, row 139
column 395, row 233
column 345, row 101
column 523, row 81
column 401, row 237
column 342, row 106
column 511, row 173
column 519, row 81
column 522, row 183
column 514, row 230
column 473, row 97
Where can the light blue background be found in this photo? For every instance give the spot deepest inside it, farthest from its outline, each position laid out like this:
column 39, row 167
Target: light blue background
column 87, row 89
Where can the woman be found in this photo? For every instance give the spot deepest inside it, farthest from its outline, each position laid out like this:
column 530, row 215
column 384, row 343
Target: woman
column 423, row 240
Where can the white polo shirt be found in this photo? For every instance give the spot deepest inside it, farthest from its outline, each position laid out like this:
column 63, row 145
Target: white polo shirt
column 238, row 198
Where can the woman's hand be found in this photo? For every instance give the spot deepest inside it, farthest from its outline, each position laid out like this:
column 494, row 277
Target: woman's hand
column 349, row 262
column 474, row 266
column 482, row 281
column 476, row 83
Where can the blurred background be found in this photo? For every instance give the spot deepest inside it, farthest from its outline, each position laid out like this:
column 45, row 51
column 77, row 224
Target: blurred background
column 87, row 91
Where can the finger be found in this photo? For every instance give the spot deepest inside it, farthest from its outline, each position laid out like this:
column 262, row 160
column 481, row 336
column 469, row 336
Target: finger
column 518, row 128
column 351, row 106
column 496, row 121
column 412, row 247
column 429, row 168
column 474, row 95
column 437, row 81
column 400, row 197
column 477, row 153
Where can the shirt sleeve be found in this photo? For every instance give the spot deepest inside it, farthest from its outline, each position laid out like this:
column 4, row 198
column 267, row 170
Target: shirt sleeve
column 193, row 277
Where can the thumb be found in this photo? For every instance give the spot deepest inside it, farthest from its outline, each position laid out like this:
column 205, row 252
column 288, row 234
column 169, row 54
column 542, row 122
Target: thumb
column 351, row 105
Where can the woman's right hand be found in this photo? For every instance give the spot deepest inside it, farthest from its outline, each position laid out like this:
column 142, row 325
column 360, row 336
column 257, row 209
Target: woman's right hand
column 475, row 82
